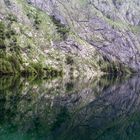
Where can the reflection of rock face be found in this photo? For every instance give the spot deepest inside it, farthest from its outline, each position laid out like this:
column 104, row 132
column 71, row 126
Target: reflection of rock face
column 72, row 110
column 28, row 105
column 114, row 109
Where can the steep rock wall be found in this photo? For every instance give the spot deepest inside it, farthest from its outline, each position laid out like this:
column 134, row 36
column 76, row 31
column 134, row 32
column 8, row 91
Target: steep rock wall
column 73, row 37
column 110, row 26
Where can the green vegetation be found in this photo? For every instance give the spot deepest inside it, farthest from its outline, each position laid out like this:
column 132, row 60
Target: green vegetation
column 35, row 17
column 62, row 29
column 2, row 36
column 37, row 21
column 69, row 60
column 35, row 68
column 5, row 67
column 113, row 67
column 12, row 18
column 11, row 61
column 27, row 45
column 52, row 72
column 13, row 64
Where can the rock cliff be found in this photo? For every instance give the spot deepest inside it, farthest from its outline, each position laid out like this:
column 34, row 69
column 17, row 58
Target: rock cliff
column 71, row 37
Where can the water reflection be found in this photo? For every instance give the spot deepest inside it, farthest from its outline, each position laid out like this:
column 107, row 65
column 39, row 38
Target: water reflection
column 62, row 109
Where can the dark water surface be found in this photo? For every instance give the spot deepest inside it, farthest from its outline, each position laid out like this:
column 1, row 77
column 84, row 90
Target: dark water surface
column 104, row 108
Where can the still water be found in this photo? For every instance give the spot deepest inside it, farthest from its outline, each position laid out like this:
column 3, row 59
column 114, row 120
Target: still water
column 105, row 108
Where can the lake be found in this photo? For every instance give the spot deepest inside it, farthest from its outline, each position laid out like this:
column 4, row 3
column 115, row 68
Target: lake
column 101, row 108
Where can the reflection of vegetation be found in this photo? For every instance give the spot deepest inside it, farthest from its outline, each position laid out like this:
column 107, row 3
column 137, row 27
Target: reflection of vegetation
column 38, row 109
column 7, row 82
column 23, row 103
column 69, row 86
column 61, row 118
column 113, row 67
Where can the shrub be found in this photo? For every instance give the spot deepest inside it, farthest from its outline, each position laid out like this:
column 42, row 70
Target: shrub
column 2, row 44
column 69, row 60
column 37, row 22
column 12, row 18
column 52, row 73
column 2, row 36
column 5, row 67
column 33, row 69
column 37, row 67
column 62, row 29
column 14, row 60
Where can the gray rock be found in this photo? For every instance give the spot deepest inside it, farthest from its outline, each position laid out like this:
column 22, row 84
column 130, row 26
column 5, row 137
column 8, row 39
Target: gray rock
column 112, row 27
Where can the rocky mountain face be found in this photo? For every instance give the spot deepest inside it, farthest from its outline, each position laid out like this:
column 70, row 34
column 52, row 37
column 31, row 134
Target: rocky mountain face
column 72, row 37
column 111, row 26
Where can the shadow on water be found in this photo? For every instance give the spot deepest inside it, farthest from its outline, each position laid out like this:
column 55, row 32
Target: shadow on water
column 62, row 109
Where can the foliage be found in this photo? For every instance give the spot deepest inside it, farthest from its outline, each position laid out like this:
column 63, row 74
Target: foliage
column 12, row 18
column 37, row 21
column 5, row 67
column 69, row 60
column 62, row 29
column 2, row 36
column 52, row 72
